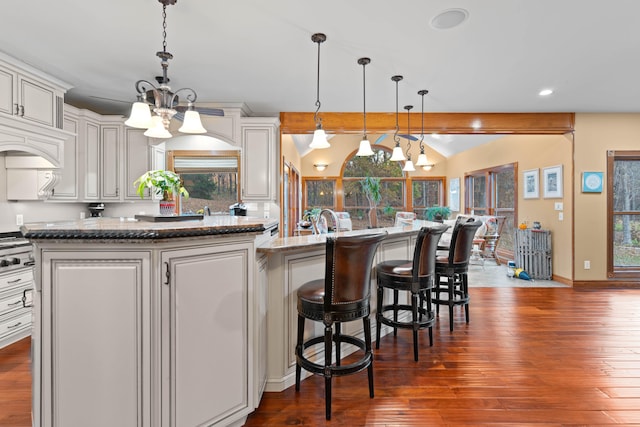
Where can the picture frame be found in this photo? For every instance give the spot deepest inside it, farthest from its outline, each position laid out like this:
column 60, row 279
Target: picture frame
column 552, row 180
column 592, row 182
column 531, row 183
column 454, row 194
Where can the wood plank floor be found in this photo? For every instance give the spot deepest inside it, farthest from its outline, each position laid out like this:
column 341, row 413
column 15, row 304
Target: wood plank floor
column 529, row 357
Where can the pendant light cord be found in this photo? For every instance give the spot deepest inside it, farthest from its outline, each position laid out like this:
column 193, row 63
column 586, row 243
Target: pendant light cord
column 422, row 93
column 408, row 108
column 315, row 115
column 395, row 134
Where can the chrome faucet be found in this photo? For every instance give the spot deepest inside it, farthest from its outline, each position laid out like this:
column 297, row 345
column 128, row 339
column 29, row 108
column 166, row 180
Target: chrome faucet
column 314, row 221
column 207, row 211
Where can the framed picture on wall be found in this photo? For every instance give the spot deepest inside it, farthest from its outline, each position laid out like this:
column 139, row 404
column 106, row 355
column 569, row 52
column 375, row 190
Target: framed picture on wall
column 592, row 182
column 531, row 184
column 454, row 194
column 552, row 180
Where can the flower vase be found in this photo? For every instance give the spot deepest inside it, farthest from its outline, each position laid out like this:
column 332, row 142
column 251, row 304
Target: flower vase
column 167, row 207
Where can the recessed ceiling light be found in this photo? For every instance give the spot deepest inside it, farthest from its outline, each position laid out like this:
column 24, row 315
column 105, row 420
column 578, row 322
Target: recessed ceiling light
column 449, row 18
column 545, row 92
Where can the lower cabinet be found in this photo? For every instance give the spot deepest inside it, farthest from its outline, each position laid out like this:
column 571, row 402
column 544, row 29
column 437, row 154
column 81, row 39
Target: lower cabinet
column 146, row 335
column 205, row 361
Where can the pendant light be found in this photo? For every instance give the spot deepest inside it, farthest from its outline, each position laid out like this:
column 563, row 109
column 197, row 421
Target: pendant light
column 422, row 157
column 408, row 166
column 397, row 155
column 365, row 146
column 319, row 135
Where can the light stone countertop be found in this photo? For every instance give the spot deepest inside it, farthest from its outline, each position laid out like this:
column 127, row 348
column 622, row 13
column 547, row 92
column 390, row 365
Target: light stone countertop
column 318, row 241
column 133, row 229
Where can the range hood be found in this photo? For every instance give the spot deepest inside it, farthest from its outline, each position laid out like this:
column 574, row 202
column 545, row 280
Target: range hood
column 30, row 177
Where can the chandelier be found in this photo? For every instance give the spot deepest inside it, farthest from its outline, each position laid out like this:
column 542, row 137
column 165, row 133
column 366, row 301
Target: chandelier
column 365, row 146
column 161, row 99
column 422, row 157
column 397, row 155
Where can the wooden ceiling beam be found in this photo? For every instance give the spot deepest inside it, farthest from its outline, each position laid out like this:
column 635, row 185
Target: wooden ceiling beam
column 444, row 123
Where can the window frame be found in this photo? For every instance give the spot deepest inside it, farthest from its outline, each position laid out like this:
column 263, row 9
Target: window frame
column 619, row 272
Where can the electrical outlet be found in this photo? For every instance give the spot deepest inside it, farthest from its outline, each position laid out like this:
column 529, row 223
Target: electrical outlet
column 19, row 219
column 560, row 216
column 587, row 264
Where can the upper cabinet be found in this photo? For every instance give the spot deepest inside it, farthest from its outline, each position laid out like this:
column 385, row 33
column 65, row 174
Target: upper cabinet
column 27, row 94
column 260, row 166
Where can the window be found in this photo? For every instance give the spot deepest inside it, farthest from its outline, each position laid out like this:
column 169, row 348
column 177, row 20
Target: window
column 211, row 177
column 344, row 193
column 623, row 214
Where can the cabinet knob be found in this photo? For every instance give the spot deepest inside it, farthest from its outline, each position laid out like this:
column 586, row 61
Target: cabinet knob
column 17, row 107
column 22, row 111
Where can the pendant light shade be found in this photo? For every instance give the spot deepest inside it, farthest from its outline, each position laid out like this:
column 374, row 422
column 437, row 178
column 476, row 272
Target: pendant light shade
column 397, row 155
column 319, row 135
column 408, row 166
column 422, row 157
column 319, row 139
column 365, row 146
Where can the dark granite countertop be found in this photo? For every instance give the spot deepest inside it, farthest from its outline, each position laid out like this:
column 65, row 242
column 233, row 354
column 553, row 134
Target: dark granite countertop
column 133, row 229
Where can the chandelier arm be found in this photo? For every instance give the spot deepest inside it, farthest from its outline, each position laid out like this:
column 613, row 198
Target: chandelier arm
column 190, row 97
column 142, row 90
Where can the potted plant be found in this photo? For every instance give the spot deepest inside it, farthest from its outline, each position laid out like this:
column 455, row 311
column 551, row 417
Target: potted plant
column 165, row 183
column 371, row 189
column 438, row 213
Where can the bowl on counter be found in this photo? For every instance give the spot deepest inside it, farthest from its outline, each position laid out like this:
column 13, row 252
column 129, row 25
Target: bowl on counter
column 304, row 224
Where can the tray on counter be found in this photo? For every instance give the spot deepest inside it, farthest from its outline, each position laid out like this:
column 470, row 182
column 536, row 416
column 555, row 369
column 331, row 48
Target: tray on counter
column 169, row 218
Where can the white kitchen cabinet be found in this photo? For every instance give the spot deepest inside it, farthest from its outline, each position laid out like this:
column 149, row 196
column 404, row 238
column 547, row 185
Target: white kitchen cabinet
column 260, row 159
column 95, row 330
column 67, row 186
column 206, row 319
column 136, row 160
column 30, row 95
column 110, row 162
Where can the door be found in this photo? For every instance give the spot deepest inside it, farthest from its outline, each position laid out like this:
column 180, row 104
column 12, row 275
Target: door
column 205, row 317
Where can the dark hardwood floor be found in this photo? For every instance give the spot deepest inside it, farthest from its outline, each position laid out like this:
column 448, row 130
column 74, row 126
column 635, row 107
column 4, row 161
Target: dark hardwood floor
column 530, row 356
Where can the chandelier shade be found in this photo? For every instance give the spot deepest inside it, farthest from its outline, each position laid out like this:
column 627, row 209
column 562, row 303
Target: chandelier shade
column 161, row 100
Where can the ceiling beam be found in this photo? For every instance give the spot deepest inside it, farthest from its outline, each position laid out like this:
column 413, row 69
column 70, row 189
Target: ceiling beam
column 444, row 123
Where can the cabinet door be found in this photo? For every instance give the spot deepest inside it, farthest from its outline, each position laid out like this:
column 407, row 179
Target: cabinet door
column 90, row 144
column 96, row 330
column 259, row 163
column 67, row 186
column 37, row 101
column 8, row 100
column 110, row 162
column 260, row 353
column 205, row 363
column 137, row 159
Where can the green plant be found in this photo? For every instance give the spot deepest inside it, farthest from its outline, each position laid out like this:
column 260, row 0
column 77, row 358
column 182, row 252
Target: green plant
column 437, row 213
column 164, row 182
column 371, row 189
column 311, row 214
column 389, row 211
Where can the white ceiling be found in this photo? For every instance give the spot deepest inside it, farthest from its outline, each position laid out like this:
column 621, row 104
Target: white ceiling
column 260, row 52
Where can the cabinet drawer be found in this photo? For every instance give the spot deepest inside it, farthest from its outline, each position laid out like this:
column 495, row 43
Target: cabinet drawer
column 10, row 301
column 16, row 279
column 16, row 323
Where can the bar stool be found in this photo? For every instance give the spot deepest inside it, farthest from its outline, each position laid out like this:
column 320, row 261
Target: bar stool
column 342, row 296
column 415, row 276
column 451, row 271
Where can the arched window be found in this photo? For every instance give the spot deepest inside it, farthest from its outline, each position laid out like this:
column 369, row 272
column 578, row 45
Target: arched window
column 399, row 192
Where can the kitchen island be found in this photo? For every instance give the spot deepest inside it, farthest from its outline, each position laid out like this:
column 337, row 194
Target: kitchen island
column 286, row 264
column 142, row 323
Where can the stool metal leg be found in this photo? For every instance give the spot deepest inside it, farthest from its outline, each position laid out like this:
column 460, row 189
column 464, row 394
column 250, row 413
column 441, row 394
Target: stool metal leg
column 299, row 350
